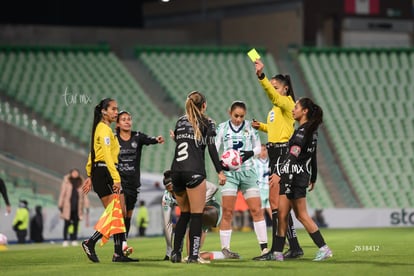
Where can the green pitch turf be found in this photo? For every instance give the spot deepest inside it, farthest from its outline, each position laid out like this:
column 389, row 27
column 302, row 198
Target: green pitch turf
column 385, row 251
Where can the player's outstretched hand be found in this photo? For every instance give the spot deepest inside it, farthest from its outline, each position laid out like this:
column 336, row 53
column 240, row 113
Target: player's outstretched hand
column 259, row 66
column 221, row 178
column 255, row 124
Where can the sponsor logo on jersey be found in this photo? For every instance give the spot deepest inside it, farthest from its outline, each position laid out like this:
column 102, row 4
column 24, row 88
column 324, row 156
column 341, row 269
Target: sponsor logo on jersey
column 134, row 145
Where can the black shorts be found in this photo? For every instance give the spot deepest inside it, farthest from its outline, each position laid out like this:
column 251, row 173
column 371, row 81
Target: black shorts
column 183, row 180
column 277, row 154
column 297, row 188
column 130, row 190
column 102, row 181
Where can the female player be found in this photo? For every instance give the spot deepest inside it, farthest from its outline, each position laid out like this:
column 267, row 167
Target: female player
column 237, row 133
column 279, row 128
column 131, row 143
column 193, row 133
column 261, row 163
column 297, row 173
column 211, row 217
column 102, row 172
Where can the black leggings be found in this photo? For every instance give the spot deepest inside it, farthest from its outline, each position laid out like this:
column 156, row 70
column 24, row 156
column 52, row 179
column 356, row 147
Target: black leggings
column 74, row 220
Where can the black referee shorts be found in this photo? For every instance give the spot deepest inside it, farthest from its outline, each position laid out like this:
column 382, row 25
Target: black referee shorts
column 102, row 181
column 277, row 154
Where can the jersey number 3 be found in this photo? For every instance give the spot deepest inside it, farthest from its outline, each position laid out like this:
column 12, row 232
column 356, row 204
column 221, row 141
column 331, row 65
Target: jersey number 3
column 182, row 153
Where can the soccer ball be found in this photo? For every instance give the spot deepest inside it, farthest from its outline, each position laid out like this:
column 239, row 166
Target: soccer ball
column 231, row 159
column 3, row 239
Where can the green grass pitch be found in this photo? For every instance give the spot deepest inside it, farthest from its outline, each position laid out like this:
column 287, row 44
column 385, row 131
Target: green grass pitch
column 374, row 251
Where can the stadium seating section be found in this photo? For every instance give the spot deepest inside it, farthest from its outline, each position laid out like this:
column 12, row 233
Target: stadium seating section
column 366, row 95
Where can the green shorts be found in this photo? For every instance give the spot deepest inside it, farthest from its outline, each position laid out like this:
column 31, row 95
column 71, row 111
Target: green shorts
column 240, row 181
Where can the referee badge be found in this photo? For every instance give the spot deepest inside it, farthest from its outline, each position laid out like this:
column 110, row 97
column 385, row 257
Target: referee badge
column 107, row 141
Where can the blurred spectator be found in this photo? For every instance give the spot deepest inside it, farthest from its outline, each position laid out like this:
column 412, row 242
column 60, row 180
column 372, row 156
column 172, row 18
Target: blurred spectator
column 3, row 192
column 142, row 219
column 319, row 219
column 36, row 225
column 21, row 221
column 72, row 202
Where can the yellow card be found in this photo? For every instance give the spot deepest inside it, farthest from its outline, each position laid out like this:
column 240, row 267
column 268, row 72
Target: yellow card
column 253, row 55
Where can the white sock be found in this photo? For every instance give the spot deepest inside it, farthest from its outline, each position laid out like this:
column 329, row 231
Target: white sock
column 261, row 231
column 216, row 255
column 225, row 237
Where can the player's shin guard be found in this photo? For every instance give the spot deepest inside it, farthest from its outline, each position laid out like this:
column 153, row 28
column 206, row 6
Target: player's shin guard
column 317, row 239
column 291, row 235
column 195, row 235
column 180, row 230
column 261, row 233
column 118, row 244
column 274, row 228
column 127, row 221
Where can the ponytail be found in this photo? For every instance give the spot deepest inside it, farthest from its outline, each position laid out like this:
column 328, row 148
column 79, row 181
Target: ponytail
column 314, row 115
column 286, row 81
column 193, row 107
column 97, row 117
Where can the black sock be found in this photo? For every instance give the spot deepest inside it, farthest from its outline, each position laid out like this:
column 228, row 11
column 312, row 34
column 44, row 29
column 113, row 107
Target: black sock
column 95, row 237
column 127, row 222
column 274, row 228
column 317, row 239
column 118, row 244
column 279, row 243
column 180, row 229
column 291, row 235
column 263, row 246
column 195, row 235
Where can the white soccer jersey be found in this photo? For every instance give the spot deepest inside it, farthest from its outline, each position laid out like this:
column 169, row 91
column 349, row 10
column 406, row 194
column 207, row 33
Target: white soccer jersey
column 245, row 137
column 262, row 170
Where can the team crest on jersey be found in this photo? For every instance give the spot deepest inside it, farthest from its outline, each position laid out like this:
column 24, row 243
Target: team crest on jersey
column 271, row 116
column 107, row 141
column 134, row 145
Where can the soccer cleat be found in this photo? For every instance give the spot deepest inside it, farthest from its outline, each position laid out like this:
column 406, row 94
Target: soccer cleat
column 123, row 259
column 175, row 257
column 229, row 254
column 74, row 243
column 278, row 256
column 127, row 250
column 293, row 254
column 90, row 251
column 199, row 260
column 65, row 244
column 166, row 258
column 265, row 257
column 323, row 253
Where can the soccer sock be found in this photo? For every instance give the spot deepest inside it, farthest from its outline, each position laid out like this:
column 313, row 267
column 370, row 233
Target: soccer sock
column 279, row 243
column 317, row 239
column 127, row 221
column 118, row 244
column 95, row 237
column 180, row 230
column 225, row 237
column 274, row 228
column 291, row 235
column 261, row 233
column 195, row 235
